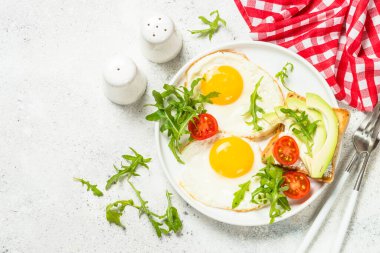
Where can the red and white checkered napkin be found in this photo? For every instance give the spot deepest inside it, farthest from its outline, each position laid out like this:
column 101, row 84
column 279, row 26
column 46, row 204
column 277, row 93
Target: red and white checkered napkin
column 340, row 38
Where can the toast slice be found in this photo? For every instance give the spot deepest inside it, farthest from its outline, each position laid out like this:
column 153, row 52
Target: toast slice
column 343, row 116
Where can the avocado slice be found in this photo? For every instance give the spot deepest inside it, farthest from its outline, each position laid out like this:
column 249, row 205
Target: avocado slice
column 318, row 164
column 271, row 118
column 278, row 112
column 320, row 133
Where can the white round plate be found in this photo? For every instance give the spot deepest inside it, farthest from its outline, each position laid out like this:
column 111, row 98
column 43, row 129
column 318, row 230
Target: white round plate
column 304, row 78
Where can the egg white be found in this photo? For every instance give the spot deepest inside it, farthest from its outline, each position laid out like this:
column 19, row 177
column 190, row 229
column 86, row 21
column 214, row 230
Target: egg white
column 203, row 184
column 231, row 118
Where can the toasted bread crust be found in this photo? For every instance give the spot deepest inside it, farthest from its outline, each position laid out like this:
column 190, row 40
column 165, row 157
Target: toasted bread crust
column 295, row 95
column 343, row 116
column 263, row 135
column 268, row 150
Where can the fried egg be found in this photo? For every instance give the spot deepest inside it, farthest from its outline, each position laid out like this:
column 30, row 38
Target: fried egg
column 234, row 77
column 215, row 167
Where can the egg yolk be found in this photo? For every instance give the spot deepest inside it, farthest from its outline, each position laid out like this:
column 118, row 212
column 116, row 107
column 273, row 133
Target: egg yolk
column 231, row 157
column 227, row 81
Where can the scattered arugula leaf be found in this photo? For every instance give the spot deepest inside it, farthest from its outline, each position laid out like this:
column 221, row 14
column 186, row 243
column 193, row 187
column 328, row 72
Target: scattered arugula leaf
column 115, row 210
column 175, row 108
column 240, row 194
column 213, row 25
column 271, row 190
column 128, row 171
column 283, row 74
column 91, row 187
column 145, row 210
column 254, row 108
column 303, row 128
column 171, row 218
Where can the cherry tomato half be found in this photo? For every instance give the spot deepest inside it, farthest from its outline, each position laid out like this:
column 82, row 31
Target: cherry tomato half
column 202, row 127
column 286, row 150
column 299, row 184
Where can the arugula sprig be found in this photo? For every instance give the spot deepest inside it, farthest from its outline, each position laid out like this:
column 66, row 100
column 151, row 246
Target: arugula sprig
column 115, row 210
column 240, row 194
column 254, row 108
column 176, row 106
column 271, row 190
column 128, row 171
column 283, row 74
column 303, row 128
column 170, row 218
column 213, row 25
column 92, row 187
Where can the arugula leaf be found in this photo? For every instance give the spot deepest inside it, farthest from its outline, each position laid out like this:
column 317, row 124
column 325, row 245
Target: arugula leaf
column 240, row 194
column 254, row 109
column 115, row 210
column 283, row 74
column 213, row 25
column 303, row 128
column 145, row 210
column 91, row 187
column 128, row 171
column 175, row 108
column 271, row 190
column 171, row 218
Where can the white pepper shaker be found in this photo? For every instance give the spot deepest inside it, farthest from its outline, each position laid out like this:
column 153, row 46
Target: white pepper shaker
column 161, row 42
column 123, row 82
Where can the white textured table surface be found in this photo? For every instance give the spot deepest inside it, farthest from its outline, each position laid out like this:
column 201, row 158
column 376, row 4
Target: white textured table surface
column 55, row 123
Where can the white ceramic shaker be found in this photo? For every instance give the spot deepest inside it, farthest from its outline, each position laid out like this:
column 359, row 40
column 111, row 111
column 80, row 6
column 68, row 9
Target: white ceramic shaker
column 160, row 40
column 123, row 82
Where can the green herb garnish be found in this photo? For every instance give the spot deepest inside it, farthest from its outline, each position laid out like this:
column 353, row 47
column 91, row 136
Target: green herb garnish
column 254, row 108
column 175, row 108
column 213, row 25
column 271, row 190
column 115, row 210
column 171, row 218
column 240, row 194
column 303, row 128
column 91, row 187
column 283, row 74
column 128, row 171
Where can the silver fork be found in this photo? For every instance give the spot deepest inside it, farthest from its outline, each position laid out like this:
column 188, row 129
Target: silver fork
column 364, row 144
column 365, row 127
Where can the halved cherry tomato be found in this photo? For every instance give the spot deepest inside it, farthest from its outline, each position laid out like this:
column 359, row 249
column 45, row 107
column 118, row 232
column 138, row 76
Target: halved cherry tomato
column 202, row 127
column 299, row 185
column 286, row 150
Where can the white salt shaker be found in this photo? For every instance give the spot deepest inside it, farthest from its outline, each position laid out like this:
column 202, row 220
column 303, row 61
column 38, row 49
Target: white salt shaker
column 160, row 40
column 123, row 82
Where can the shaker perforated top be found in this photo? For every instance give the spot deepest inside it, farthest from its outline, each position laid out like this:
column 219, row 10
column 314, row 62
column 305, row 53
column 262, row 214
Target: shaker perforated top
column 119, row 71
column 157, row 28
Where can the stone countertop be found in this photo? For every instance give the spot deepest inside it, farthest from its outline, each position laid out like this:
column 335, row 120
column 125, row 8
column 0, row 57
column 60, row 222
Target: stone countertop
column 55, row 123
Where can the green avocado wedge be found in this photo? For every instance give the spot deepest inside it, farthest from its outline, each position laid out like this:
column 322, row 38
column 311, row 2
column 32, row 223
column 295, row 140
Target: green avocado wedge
column 320, row 133
column 318, row 164
column 271, row 118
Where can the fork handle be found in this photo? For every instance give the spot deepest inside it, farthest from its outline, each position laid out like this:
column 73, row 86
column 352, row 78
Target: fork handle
column 350, row 206
column 324, row 211
column 345, row 222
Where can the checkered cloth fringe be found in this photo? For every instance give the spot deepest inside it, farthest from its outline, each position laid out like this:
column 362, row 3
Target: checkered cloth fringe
column 340, row 38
